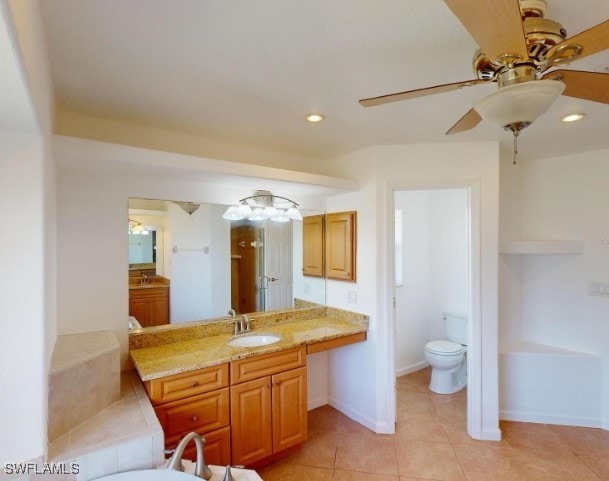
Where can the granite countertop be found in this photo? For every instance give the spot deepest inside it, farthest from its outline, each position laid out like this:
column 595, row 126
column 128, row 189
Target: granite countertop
column 196, row 353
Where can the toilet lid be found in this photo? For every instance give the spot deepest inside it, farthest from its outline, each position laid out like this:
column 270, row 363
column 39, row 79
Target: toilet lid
column 446, row 347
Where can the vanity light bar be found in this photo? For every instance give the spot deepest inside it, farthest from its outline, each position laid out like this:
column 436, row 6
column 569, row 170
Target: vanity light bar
column 264, row 205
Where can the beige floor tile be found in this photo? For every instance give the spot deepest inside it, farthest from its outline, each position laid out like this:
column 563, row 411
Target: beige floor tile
column 589, row 441
column 533, row 436
column 555, row 466
column 342, row 475
column 318, row 451
column 427, row 460
column 370, row 457
column 350, row 429
column 482, row 463
column 426, row 430
column 599, row 465
column 324, row 418
column 414, row 405
column 286, row 471
column 457, row 434
column 417, row 381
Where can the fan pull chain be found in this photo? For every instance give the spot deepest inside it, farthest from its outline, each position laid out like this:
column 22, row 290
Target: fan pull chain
column 515, row 146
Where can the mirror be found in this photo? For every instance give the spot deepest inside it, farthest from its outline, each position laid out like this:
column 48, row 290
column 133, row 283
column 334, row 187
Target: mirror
column 208, row 265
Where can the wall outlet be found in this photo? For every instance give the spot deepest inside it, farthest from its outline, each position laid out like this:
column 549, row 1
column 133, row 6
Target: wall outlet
column 598, row 289
column 353, row 297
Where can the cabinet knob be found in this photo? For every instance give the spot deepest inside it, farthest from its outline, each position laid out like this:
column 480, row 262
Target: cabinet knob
column 277, row 383
column 195, row 419
column 269, row 386
column 194, row 384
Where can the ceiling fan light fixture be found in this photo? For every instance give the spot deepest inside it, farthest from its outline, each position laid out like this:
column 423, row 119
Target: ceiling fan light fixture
column 572, row 118
column 521, row 103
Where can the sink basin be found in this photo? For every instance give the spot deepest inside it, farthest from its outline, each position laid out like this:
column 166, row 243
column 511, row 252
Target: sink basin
column 253, row 340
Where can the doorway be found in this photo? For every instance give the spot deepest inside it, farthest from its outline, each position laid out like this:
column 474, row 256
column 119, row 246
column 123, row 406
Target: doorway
column 433, row 277
column 261, row 266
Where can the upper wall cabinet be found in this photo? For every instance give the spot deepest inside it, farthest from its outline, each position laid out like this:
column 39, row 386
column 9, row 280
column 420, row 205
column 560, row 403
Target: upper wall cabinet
column 313, row 245
column 340, row 246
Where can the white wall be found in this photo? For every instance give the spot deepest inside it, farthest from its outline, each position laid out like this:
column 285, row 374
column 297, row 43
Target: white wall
column 566, row 198
column 435, row 266
column 413, row 298
column 25, row 306
column 28, row 241
column 196, row 252
column 358, row 371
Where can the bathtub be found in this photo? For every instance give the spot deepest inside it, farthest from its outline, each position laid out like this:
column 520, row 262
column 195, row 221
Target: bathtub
column 547, row 384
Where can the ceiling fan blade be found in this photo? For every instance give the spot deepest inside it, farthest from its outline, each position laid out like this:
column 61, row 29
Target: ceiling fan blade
column 467, row 122
column 495, row 25
column 593, row 40
column 413, row 94
column 584, row 85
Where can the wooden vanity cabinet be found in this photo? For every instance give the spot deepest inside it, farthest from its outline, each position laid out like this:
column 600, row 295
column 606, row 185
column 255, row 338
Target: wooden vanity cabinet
column 313, row 245
column 268, row 405
column 195, row 401
column 150, row 306
column 340, row 243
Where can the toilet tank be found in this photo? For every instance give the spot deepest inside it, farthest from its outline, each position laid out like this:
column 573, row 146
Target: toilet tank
column 455, row 326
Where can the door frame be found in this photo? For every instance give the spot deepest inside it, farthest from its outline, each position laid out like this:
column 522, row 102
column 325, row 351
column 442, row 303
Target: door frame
column 474, row 334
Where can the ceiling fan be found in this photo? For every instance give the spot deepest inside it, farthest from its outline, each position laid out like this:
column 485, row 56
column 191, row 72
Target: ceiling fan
column 519, row 50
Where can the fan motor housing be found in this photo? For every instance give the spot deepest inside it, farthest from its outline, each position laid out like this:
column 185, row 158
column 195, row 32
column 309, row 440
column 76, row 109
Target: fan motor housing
column 541, row 35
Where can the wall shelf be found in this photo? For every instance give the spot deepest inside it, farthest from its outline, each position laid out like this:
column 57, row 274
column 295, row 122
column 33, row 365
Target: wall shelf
column 544, row 247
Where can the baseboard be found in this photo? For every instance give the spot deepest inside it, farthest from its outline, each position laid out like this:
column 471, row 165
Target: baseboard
column 356, row 415
column 317, row 402
column 402, row 371
column 541, row 418
column 491, row 435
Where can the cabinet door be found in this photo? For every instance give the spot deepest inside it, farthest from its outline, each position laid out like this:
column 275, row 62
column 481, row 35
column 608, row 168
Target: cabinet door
column 313, row 245
column 340, row 246
column 251, row 421
column 289, row 408
column 138, row 308
column 159, row 310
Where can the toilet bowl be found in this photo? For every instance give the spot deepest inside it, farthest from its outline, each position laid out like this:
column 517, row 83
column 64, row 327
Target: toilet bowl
column 447, row 357
column 448, row 366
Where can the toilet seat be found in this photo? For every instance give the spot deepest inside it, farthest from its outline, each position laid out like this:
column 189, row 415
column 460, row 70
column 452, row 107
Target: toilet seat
column 445, row 348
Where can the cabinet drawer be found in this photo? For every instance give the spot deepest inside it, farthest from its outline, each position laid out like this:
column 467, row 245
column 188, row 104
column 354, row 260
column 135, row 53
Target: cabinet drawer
column 267, row 364
column 148, row 292
column 187, row 384
column 205, row 412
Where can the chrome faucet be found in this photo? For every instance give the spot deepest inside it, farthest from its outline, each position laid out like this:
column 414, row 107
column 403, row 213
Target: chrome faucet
column 175, row 462
column 244, row 324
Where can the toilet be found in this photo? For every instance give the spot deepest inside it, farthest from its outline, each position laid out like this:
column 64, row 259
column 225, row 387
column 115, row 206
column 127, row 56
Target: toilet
column 447, row 357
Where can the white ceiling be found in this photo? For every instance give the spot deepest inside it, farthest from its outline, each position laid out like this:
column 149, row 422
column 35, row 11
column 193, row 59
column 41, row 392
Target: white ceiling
column 249, row 71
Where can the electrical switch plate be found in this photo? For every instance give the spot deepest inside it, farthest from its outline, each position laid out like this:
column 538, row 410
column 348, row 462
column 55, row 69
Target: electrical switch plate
column 598, row 289
column 353, row 297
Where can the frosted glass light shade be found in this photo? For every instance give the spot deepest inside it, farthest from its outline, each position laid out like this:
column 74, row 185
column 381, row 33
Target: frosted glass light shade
column 232, row 213
column 519, row 103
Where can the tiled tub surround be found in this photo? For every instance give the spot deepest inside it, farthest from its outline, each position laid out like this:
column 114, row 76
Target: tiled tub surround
column 123, row 437
column 84, row 379
column 167, row 350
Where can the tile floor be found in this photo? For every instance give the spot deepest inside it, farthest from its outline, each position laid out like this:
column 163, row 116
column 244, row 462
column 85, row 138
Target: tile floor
column 431, row 444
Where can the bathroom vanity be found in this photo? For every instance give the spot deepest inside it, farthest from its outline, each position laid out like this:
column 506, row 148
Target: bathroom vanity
column 249, row 403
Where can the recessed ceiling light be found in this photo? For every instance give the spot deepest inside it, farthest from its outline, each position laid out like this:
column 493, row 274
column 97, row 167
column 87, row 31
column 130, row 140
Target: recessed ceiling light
column 313, row 118
column 573, row 117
